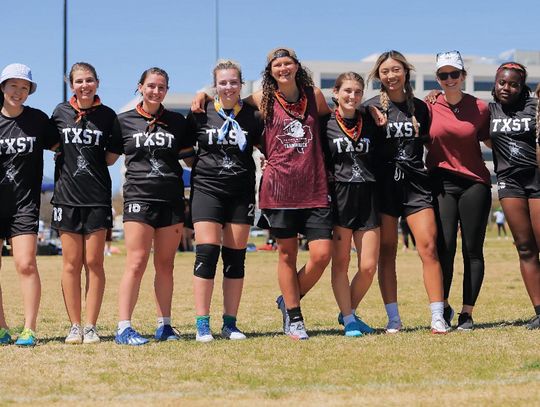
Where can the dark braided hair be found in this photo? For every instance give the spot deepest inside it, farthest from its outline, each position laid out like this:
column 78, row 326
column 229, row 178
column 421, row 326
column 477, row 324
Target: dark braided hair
column 384, row 98
column 269, row 86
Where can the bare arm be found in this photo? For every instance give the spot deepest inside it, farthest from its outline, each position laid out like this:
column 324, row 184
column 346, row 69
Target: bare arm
column 322, row 106
column 199, row 101
column 255, row 99
column 110, row 158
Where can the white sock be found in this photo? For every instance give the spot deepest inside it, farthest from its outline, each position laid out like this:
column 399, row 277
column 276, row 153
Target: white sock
column 392, row 311
column 437, row 309
column 163, row 321
column 122, row 325
column 347, row 319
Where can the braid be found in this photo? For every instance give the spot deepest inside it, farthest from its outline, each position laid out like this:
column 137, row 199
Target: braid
column 538, row 120
column 410, row 106
column 384, row 100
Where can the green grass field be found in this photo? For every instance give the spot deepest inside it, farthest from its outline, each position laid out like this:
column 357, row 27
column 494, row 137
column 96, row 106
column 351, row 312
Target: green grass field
column 496, row 364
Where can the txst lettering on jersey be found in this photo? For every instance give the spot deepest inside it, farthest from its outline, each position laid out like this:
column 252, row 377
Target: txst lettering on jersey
column 81, row 136
column 230, row 138
column 511, row 124
column 296, row 135
column 399, row 129
column 158, row 138
column 343, row 144
column 17, row 145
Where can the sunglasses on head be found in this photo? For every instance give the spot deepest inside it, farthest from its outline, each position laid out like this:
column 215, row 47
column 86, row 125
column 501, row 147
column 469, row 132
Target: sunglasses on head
column 444, row 75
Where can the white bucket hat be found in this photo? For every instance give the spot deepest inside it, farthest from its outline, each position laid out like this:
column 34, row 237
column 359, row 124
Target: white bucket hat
column 450, row 58
column 18, row 71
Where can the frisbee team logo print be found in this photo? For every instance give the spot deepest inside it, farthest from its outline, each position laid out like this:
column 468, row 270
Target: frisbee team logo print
column 296, row 135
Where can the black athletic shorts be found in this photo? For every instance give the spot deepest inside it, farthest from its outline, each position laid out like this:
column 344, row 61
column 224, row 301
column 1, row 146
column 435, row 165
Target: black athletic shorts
column 21, row 223
column 222, row 209
column 355, row 205
column 313, row 223
column 81, row 220
column 155, row 214
column 402, row 194
column 523, row 184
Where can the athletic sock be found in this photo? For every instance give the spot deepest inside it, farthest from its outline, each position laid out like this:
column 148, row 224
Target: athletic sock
column 295, row 314
column 348, row 319
column 537, row 309
column 163, row 321
column 123, row 325
column 392, row 311
column 202, row 317
column 229, row 320
column 437, row 309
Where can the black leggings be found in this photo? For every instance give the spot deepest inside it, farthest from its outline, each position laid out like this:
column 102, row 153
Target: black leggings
column 465, row 203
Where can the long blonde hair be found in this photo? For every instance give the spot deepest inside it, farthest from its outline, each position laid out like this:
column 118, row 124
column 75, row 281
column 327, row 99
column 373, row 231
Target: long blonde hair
column 384, row 98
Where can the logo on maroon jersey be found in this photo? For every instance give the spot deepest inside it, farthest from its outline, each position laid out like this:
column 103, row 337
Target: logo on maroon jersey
column 296, row 135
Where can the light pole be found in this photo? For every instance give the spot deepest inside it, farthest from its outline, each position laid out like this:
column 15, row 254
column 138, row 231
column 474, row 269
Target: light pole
column 65, row 52
column 217, row 28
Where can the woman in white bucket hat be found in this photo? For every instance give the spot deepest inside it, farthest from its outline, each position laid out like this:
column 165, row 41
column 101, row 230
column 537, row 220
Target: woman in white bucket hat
column 24, row 133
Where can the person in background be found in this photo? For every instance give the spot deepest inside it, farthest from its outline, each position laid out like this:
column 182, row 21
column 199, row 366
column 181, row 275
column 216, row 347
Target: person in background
column 500, row 221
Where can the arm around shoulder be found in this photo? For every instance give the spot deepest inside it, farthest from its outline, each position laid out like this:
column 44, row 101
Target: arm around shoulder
column 322, row 106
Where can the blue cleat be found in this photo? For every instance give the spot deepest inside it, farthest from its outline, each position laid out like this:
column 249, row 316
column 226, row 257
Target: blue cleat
column 352, row 329
column 364, row 328
column 26, row 338
column 130, row 337
column 204, row 334
column 5, row 337
column 167, row 333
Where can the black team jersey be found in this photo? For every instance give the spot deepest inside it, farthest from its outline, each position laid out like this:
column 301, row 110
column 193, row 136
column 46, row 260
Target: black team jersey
column 81, row 176
column 153, row 172
column 396, row 142
column 513, row 133
column 220, row 166
column 349, row 160
column 22, row 140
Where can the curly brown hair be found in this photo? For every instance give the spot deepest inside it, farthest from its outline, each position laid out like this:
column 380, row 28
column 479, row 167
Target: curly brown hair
column 303, row 79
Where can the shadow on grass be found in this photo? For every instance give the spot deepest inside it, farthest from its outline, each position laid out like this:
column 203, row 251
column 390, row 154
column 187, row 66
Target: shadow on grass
column 311, row 332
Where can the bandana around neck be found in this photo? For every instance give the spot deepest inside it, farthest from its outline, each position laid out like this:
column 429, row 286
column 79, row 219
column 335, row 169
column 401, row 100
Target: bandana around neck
column 152, row 120
column 230, row 122
column 352, row 133
column 81, row 113
column 294, row 109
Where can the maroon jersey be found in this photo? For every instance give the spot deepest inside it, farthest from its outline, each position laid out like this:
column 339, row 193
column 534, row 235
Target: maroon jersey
column 295, row 175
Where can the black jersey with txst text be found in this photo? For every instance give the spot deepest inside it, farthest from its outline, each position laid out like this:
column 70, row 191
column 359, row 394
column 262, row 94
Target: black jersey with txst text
column 347, row 159
column 513, row 133
column 220, row 166
column 22, row 140
column 397, row 142
column 153, row 172
column 82, row 177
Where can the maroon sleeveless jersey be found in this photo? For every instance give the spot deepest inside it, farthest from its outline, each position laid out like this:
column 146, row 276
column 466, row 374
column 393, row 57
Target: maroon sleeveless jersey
column 295, row 175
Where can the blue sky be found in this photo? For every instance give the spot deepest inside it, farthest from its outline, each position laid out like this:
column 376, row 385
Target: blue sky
column 121, row 38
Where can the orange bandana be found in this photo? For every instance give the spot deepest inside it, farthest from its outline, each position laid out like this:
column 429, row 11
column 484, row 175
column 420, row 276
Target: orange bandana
column 295, row 109
column 81, row 113
column 353, row 133
column 152, row 120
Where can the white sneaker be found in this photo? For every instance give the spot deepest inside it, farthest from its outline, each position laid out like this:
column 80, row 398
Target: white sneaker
column 90, row 334
column 75, row 336
column 439, row 325
column 297, row 331
column 232, row 333
column 393, row 326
